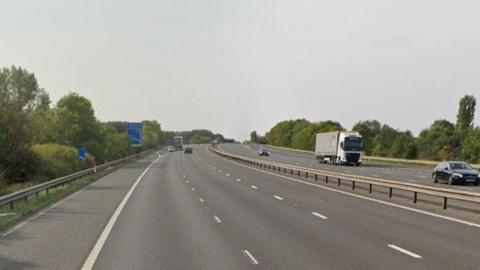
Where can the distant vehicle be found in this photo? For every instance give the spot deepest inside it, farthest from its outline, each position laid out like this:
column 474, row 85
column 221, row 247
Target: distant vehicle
column 263, row 152
column 456, row 172
column 339, row 147
column 178, row 143
column 171, row 149
column 188, row 150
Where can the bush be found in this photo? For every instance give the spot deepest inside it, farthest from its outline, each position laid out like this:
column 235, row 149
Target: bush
column 58, row 160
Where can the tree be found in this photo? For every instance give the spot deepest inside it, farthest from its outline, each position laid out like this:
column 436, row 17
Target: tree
column 253, row 137
column 466, row 113
column 471, row 147
column 20, row 95
column 152, row 134
column 440, row 136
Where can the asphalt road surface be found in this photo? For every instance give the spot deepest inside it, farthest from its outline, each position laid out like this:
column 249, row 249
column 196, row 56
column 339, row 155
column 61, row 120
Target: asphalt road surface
column 405, row 174
column 198, row 211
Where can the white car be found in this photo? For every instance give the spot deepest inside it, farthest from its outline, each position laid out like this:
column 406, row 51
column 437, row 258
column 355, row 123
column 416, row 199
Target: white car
column 171, row 149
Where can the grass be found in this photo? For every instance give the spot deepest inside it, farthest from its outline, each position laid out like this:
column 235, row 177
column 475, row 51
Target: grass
column 24, row 209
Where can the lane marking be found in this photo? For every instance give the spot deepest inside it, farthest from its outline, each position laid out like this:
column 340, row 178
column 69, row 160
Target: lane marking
column 404, row 251
column 249, row 255
column 21, row 224
column 220, row 171
column 254, row 187
column 456, row 220
column 187, row 181
column 218, row 220
column 202, row 200
column 227, row 174
column 318, row 215
column 278, row 198
column 92, row 257
column 239, row 180
column 193, row 189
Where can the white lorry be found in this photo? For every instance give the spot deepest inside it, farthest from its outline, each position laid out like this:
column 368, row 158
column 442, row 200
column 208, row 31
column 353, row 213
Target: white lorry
column 339, row 147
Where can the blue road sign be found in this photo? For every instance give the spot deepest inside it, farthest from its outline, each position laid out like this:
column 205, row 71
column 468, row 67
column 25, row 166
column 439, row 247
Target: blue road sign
column 135, row 134
column 82, row 154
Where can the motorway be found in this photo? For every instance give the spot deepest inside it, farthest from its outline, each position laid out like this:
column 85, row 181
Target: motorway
column 179, row 211
column 390, row 172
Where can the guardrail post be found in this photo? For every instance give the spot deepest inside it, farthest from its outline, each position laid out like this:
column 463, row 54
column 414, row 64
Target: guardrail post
column 291, row 171
column 338, row 182
column 390, row 192
column 326, row 179
column 298, row 173
column 306, row 175
column 445, row 200
column 415, row 197
column 353, row 185
column 285, row 170
column 316, row 177
column 11, row 205
column 25, row 199
column 369, row 188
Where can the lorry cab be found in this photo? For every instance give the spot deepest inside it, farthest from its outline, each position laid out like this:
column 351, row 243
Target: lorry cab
column 350, row 149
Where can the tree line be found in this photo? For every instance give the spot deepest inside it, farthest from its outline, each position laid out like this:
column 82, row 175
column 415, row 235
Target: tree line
column 39, row 140
column 443, row 140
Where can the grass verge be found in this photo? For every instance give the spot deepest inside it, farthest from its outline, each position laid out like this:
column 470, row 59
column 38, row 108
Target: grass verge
column 24, row 209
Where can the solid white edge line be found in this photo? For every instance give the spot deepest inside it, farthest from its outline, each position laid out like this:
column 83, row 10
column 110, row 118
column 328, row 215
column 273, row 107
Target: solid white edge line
column 92, row 257
column 404, row 251
column 464, row 222
column 278, row 198
column 21, row 224
column 319, row 215
column 217, row 219
column 252, row 259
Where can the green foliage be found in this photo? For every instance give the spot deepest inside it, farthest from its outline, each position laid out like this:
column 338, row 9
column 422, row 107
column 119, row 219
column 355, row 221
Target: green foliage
column 471, row 147
column 197, row 136
column 300, row 133
column 20, row 95
column 466, row 113
column 58, row 160
column 253, row 137
column 433, row 141
column 152, row 134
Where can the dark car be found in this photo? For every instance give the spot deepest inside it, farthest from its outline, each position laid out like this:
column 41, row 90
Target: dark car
column 456, row 172
column 188, row 150
column 263, row 152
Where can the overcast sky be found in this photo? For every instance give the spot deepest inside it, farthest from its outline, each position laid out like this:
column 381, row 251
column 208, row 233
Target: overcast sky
column 236, row 66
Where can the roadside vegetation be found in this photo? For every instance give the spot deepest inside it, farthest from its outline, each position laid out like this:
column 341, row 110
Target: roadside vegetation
column 39, row 140
column 443, row 140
